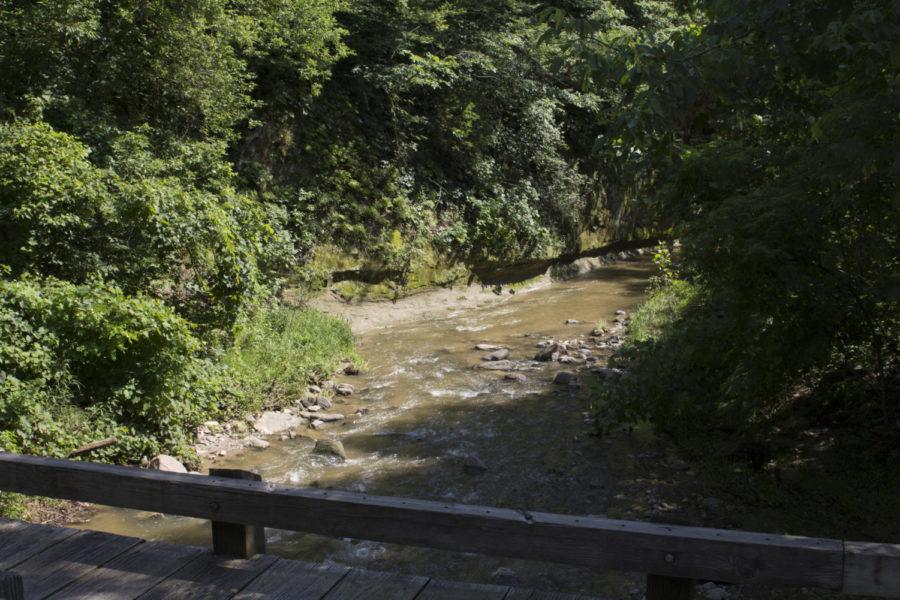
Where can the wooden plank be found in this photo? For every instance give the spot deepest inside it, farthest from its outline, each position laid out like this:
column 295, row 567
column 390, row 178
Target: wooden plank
column 524, row 594
column 690, row 552
column 10, row 525
column 669, row 588
column 235, row 539
column 11, row 587
column 63, row 563
column 210, row 577
column 130, row 574
column 872, row 569
column 293, row 580
column 21, row 541
column 457, row 590
column 360, row 584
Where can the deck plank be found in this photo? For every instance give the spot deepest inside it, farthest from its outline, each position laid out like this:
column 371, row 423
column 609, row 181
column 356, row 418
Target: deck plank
column 210, row 577
column 20, row 541
column 457, row 590
column 130, row 574
column 526, row 594
column 360, row 584
column 293, row 580
column 57, row 563
column 63, row 563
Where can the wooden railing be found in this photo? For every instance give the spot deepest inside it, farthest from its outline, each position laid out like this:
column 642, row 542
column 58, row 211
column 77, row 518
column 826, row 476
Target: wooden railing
column 673, row 556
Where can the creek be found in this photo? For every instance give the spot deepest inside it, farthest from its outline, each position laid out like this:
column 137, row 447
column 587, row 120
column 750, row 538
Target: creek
column 422, row 407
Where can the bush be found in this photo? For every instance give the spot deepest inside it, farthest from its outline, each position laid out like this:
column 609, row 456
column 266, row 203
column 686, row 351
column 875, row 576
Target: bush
column 206, row 252
column 79, row 362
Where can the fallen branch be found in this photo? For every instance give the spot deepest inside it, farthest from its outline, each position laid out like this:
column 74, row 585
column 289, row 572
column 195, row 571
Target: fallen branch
column 93, row 446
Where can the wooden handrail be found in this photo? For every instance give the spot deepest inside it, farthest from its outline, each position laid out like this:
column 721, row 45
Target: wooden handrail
column 661, row 550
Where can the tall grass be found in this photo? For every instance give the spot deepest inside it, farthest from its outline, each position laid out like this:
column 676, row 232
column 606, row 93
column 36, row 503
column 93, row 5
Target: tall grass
column 278, row 350
column 660, row 311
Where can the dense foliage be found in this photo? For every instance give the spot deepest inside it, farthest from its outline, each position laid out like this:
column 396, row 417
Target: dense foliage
column 130, row 250
column 768, row 131
column 165, row 166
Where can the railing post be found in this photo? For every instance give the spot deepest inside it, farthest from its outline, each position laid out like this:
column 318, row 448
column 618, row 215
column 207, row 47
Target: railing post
column 234, row 539
column 11, row 586
column 660, row 587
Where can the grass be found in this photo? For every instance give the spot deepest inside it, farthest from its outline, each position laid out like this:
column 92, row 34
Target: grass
column 660, row 310
column 281, row 349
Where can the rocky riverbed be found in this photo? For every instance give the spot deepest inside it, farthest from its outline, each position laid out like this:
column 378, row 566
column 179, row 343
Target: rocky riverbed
column 490, row 404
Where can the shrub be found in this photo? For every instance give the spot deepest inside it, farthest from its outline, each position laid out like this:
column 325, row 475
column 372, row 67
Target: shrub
column 85, row 361
column 206, row 252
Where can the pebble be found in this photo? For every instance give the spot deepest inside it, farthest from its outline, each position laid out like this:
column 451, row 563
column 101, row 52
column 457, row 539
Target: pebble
column 333, row 447
column 474, row 464
column 255, row 442
column 488, row 347
column 497, row 365
column 500, row 354
column 565, row 378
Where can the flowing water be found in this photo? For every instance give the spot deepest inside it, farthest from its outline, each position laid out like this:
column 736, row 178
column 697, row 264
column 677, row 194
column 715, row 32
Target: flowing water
column 421, row 407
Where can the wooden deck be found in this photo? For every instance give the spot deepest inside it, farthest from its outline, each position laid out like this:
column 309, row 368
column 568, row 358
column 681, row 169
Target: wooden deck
column 70, row 564
column 239, row 506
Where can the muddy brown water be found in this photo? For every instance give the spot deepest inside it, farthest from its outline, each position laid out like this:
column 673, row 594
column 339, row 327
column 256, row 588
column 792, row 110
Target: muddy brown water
column 427, row 407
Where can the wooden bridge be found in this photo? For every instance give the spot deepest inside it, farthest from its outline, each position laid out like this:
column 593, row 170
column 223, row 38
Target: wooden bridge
column 51, row 562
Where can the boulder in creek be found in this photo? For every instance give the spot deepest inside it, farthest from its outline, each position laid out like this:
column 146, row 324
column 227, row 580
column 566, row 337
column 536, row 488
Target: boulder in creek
column 239, row 427
column 323, row 402
column 164, row 462
column 497, row 365
column 332, row 447
column 501, row 354
column 343, row 389
column 546, row 353
column 488, row 347
column 255, row 442
column 351, row 369
column 272, row 421
column 621, row 313
column 329, row 417
column 313, row 389
column 515, row 377
column 607, row 372
column 573, row 322
column 565, row 378
column 474, row 464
